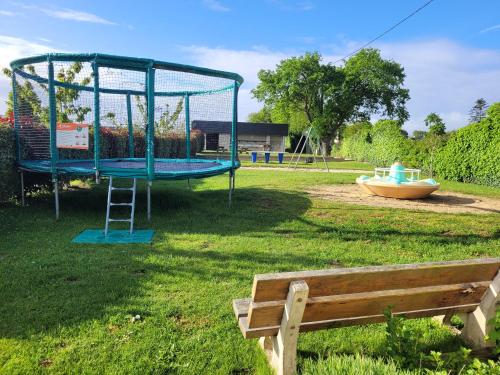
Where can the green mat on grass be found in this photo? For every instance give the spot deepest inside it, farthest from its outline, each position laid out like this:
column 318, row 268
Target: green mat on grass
column 114, row 236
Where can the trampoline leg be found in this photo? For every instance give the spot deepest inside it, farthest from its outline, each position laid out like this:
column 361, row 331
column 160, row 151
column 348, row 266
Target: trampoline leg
column 231, row 186
column 22, row 189
column 56, row 196
column 149, row 199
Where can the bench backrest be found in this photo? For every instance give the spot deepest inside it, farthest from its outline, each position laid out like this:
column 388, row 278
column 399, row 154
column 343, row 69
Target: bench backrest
column 339, row 297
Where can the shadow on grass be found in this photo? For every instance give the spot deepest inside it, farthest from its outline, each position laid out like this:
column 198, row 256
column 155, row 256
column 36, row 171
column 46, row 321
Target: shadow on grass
column 48, row 283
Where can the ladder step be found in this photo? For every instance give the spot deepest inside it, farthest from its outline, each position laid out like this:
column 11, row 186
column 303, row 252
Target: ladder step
column 125, row 220
column 129, row 189
column 120, row 204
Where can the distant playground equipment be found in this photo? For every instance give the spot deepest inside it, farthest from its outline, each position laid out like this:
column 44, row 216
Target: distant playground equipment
column 308, row 139
column 397, row 182
column 60, row 126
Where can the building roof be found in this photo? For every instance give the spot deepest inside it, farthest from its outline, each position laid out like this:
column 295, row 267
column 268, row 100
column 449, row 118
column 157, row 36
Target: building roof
column 249, row 128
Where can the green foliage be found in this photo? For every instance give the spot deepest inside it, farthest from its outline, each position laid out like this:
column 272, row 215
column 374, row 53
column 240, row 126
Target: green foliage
column 406, row 347
column 8, row 174
column 471, row 154
column 167, row 120
column 264, row 115
column 357, row 141
column 388, row 144
column 418, row 134
column 435, row 124
column 330, row 96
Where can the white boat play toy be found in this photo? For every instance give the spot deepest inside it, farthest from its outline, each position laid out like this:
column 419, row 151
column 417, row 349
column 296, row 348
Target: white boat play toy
column 397, row 182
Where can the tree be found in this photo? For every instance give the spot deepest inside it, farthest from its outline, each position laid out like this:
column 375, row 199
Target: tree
column 435, row 124
column 167, row 119
column 328, row 96
column 68, row 107
column 478, row 111
column 264, row 115
column 418, row 135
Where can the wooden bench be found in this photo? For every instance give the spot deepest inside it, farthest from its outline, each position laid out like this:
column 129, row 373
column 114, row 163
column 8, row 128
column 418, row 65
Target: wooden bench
column 283, row 304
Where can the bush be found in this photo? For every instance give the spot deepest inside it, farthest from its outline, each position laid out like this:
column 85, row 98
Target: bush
column 388, row 144
column 472, row 153
column 357, row 141
column 8, row 175
column 114, row 144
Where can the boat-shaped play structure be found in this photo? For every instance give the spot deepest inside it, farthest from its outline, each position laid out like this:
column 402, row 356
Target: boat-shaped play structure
column 397, row 182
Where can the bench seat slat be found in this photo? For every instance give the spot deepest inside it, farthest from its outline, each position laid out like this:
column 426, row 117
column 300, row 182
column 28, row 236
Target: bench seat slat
column 265, row 314
column 251, row 333
column 274, row 287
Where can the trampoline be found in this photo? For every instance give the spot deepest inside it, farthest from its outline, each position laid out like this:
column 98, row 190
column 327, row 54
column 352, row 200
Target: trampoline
column 113, row 116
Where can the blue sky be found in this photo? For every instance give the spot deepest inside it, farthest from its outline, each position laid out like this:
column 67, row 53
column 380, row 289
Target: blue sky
column 450, row 50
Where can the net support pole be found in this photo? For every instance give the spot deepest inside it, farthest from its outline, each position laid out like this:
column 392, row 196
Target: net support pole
column 97, row 122
column 56, row 195
column 149, row 184
column 53, row 134
column 16, row 116
column 23, row 203
column 150, row 94
column 52, row 120
column 188, row 127
column 130, row 127
column 234, row 142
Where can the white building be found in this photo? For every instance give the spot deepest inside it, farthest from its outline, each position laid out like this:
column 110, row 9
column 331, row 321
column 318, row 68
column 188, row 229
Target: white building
column 251, row 136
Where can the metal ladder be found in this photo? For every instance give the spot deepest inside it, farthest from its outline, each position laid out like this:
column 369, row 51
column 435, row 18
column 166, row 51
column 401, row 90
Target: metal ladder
column 133, row 189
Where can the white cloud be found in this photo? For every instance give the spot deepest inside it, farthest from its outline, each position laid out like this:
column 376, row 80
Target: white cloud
column 488, row 29
column 12, row 48
column 215, row 5
column 75, row 15
column 8, row 13
column 69, row 14
column 442, row 76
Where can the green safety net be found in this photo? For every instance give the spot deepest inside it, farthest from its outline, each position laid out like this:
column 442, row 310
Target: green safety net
column 93, row 113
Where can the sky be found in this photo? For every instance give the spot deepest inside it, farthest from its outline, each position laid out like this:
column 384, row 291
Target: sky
column 450, row 50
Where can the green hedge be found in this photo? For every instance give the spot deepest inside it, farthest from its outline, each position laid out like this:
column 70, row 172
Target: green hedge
column 8, row 176
column 114, row 144
column 472, row 153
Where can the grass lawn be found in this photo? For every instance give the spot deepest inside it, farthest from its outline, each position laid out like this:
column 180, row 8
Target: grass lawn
column 348, row 164
column 67, row 308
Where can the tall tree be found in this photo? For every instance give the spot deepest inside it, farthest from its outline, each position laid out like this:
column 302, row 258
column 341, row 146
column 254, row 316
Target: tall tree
column 478, row 111
column 435, row 124
column 264, row 115
column 330, row 96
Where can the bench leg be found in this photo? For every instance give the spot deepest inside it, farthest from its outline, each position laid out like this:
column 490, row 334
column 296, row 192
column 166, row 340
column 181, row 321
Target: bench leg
column 480, row 322
column 281, row 350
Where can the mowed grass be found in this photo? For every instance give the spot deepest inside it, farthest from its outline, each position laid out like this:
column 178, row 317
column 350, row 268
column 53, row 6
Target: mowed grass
column 319, row 163
column 67, row 308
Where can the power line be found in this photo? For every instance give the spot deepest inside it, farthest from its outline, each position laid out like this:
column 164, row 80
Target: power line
column 385, row 32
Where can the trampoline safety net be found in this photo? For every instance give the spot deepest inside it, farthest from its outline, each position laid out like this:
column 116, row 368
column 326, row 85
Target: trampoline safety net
column 120, row 116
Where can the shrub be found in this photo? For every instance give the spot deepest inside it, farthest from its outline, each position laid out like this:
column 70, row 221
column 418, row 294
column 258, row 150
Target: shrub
column 388, row 144
column 357, row 141
column 472, row 153
column 8, row 175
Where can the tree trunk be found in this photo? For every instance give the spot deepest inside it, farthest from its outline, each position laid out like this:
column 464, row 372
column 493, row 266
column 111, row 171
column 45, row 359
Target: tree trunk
column 326, row 145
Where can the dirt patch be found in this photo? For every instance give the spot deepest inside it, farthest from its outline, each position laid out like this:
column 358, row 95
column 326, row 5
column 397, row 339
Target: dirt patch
column 438, row 201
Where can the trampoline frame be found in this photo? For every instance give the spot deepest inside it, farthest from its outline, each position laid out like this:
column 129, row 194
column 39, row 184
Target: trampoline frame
column 148, row 66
